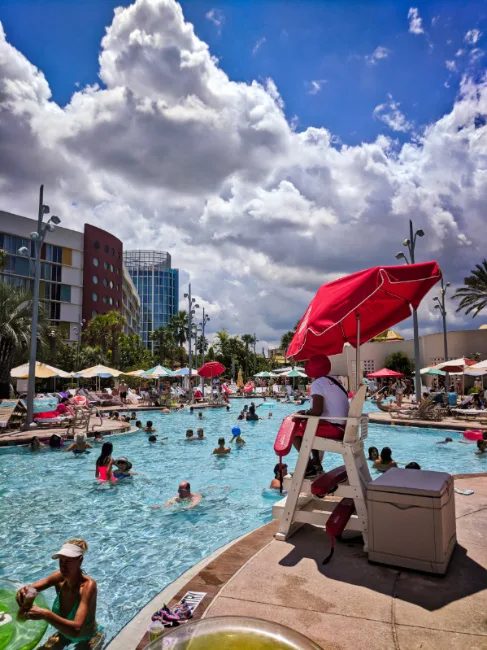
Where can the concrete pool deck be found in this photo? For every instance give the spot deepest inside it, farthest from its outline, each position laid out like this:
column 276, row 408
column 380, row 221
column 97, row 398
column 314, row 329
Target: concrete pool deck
column 349, row 603
column 108, row 427
column 448, row 423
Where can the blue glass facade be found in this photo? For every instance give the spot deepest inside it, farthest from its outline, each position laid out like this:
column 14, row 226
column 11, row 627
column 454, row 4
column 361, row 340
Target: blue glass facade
column 158, row 287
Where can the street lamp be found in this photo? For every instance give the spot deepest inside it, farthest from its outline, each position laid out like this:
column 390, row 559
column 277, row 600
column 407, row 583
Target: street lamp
column 192, row 306
column 410, row 244
column 38, row 238
column 204, row 321
column 440, row 304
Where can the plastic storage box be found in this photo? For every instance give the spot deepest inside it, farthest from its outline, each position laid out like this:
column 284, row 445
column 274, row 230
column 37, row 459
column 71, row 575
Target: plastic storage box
column 412, row 519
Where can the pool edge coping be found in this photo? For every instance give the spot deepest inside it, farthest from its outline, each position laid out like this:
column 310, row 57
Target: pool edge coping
column 134, row 631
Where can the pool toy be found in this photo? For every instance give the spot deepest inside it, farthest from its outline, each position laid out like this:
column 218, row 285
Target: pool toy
column 17, row 632
column 236, row 432
column 473, row 434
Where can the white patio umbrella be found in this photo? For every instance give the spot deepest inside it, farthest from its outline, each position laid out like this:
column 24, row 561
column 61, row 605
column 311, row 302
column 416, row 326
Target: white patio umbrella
column 42, row 371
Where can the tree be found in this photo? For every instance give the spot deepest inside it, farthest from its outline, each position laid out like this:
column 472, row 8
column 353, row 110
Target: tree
column 473, row 296
column 178, row 324
column 400, row 362
column 15, row 330
column 247, row 340
column 288, row 337
column 163, row 338
column 104, row 330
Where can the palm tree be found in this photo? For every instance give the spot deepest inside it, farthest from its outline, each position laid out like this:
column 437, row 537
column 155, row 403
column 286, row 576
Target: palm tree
column 15, row 330
column 104, row 330
column 473, row 296
column 247, row 340
column 288, row 337
column 164, row 340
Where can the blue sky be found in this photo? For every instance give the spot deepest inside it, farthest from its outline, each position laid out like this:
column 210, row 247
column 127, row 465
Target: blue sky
column 329, row 43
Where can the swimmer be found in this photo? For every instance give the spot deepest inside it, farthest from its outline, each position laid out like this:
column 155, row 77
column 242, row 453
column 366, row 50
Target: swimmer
column 115, row 415
column 201, row 434
column 149, row 428
column 104, row 462
column 221, row 450
column 445, row 441
column 123, row 468
column 200, row 415
column 190, row 436
column 152, row 438
column 36, row 444
column 191, row 409
column 228, row 407
column 481, row 447
column 413, row 466
column 237, row 437
column 275, row 483
column 241, row 416
column 80, row 444
column 184, row 496
column 373, row 453
column 385, row 461
column 55, row 441
column 139, row 424
column 270, row 415
column 133, row 416
column 98, row 437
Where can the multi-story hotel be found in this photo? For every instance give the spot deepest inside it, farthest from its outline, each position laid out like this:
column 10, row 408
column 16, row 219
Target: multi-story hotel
column 82, row 273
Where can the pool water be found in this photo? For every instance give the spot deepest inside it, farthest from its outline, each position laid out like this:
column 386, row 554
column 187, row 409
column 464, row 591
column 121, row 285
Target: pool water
column 135, row 551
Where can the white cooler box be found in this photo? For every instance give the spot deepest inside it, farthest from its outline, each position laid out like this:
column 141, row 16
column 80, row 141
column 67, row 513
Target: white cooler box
column 412, row 519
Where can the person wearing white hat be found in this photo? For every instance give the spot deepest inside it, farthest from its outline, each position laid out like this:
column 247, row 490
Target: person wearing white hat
column 74, row 609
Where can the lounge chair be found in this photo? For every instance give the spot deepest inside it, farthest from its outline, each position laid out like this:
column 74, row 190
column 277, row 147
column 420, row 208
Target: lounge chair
column 12, row 414
column 300, row 506
column 427, row 410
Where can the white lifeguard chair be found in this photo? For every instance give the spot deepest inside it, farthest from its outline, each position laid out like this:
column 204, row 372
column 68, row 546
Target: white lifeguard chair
column 300, row 506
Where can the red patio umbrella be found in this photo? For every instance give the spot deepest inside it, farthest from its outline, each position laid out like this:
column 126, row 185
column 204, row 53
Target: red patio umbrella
column 211, row 369
column 384, row 372
column 360, row 306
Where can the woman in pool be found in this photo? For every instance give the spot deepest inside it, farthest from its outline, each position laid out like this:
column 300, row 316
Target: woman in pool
column 104, row 463
column 385, row 461
column 221, row 450
column 275, row 483
column 139, row 425
column 190, row 436
column 79, row 444
column 74, row 609
column 373, row 453
column 133, row 416
column 36, row 444
column 149, row 428
column 123, row 469
column 201, row 434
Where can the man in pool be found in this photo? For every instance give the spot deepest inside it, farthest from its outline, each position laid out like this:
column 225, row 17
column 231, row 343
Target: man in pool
column 221, row 450
column 184, row 496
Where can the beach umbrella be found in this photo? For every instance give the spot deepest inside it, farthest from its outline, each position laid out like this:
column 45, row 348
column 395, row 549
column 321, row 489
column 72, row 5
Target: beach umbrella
column 135, row 373
column 42, row 371
column 156, row 372
column 360, row 306
column 184, row 372
column 293, row 373
column 432, row 371
column 384, row 373
column 98, row 371
column 481, row 365
column 264, row 375
column 455, row 365
column 211, row 369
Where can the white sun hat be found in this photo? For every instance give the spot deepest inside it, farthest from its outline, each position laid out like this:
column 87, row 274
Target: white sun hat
column 68, row 550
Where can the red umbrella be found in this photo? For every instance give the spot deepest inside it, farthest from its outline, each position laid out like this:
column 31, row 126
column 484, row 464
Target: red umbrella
column 384, row 372
column 211, row 369
column 360, row 306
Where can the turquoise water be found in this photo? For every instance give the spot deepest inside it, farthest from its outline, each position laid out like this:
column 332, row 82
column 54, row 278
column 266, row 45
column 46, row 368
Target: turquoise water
column 135, row 551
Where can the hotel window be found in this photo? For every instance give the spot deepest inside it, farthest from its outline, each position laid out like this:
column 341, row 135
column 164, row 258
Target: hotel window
column 94, row 297
column 105, row 266
column 67, row 256
column 65, row 293
column 95, row 279
column 111, row 301
column 111, row 268
column 105, row 300
column 96, row 244
column 111, row 284
column 95, row 261
column 105, row 282
column 54, row 310
column 106, row 249
column 94, row 313
column 113, row 251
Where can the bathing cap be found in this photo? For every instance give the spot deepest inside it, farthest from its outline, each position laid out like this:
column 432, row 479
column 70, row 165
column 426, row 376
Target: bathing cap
column 235, row 432
column 318, row 366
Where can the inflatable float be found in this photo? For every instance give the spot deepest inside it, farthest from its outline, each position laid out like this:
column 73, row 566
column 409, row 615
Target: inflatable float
column 17, row 632
column 473, row 434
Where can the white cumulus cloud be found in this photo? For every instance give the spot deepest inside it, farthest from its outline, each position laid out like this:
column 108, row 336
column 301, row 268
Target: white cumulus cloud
column 472, row 36
column 379, row 53
column 415, row 21
column 258, row 44
column 315, row 86
column 217, row 17
column 172, row 153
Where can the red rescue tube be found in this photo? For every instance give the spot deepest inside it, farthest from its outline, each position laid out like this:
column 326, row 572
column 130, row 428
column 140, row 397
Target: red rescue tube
column 292, row 427
column 473, row 434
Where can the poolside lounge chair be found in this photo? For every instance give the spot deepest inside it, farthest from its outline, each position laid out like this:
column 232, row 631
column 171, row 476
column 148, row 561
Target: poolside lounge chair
column 81, row 421
column 427, row 410
column 12, row 414
column 300, row 506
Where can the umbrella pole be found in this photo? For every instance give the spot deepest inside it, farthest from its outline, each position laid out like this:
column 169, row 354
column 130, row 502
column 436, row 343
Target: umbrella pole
column 357, row 356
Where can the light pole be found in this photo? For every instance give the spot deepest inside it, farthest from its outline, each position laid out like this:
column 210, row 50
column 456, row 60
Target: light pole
column 192, row 306
column 440, row 304
column 410, row 244
column 206, row 319
column 38, row 238
column 78, row 331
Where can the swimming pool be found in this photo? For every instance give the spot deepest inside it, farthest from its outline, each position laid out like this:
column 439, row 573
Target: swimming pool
column 135, row 551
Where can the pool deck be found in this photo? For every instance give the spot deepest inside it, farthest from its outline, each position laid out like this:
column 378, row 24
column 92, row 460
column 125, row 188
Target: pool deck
column 450, row 423
column 349, row 603
column 108, row 427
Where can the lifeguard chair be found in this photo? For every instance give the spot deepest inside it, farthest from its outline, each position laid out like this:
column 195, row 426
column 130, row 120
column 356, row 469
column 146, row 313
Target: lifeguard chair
column 307, row 501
